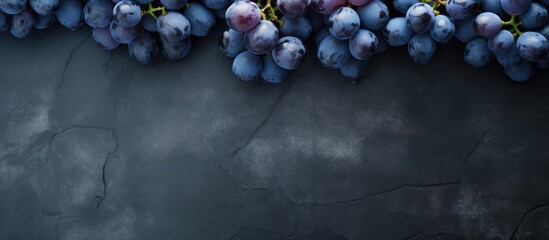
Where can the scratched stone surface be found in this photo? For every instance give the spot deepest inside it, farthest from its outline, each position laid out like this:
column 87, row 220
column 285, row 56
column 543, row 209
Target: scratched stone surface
column 96, row 146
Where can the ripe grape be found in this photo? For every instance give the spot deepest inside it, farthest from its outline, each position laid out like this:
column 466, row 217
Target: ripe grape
column 333, row 52
column 126, row 13
column 422, row 48
column 289, row 52
column 23, row 24
column 397, row 32
column 12, row 7
column 123, row 34
column 420, row 17
column 247, row 66
column 293, row 8
column 43, row 22
column 70, row 14
column 173, row 27
column 477, row 53
column 520, row 72
column 344, row 23
column 262, row 38
column 299, row 27
column 104, row 39
column 175, row 51
column 363, row 44
column 354, row 68
column 515, row 7
column 327, row 6
column 443, row 30
column 462, row 9
column 98, row 13
column 243, row 15
column 487, row 24
column 200, row 18
column 532, row 46
column 4, row 22
column 231, row 42
column 271, row 72
column 374, row 15
column 44, row 7
column 535, row 17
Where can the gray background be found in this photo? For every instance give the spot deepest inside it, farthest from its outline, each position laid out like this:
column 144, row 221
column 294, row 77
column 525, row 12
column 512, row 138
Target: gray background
column 96, row 146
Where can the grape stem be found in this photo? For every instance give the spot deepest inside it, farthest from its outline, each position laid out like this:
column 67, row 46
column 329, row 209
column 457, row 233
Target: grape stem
column 514, row 26
column 268, row 13
column 436, row 5
column 151, row 10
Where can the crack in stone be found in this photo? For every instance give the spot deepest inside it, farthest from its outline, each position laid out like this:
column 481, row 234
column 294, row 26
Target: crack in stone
column 283, row 92
column 73, row 51
column 525, row 214
column 289, row 235
column 475, row 148
column 413, row 236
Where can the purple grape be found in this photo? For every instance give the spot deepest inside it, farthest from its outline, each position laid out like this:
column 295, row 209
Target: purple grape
column 477, row 53
column 354, row 68
column 44, row 7
column 465, row 31
column 420, row 17
column 173, row 4
column 321, row 35
column 247, row 66
column 520, row 72
column 126, row 13
column 374, row 15
column 535, row 17
column 515, row 7
column 397, row 32
column 4, row 22
column 173, row 27
column 510, row 58
column 487, row 24
column 144, row 48
column 12, row 7
column 175, row 51
column 149, row 23
column 271, row 72
column 363, row 45
column 443, row 30
column 98, row 13
column 422, row 48
column 23, row 24
column 358, row 3
column 104, row 39
column 327, row 6
column 344, row 23
column 201, row 19
column 124, row 35
column 532, row 46
column 70, row 14
column 493, row 6
column 502, row 42
column 43, row 22
column 333, row 52
column 243, row 15
column 262, row 38
column 462, row 9
column 231, row 42
column 293, row 8
column 299, row 27
column 217, row 4
column 289, row 53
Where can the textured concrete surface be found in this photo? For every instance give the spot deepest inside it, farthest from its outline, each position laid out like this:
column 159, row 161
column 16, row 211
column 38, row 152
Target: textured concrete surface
column 96, row 146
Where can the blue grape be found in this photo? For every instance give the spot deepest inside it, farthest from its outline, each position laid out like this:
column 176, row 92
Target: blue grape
column 231, row 42
column 262, row 38
column 344, row 23
column 23, row 24
column 293, row 8
column 397, row 32
column 465, row 31
column 173, row 27
column 321, row 35
column 487, row 24
column 382, row 44
column 201, row 19
column 462, row 9
column 515, row 7
column 543, row 63
column 358, row 3
column 354, row 68
column 43, row 22
column 123, row 35
column 520, row 72
column 70, row 14
column 98, row 13
column 247, row 66
column 104, row 39
column 316, row 20
column 243, row 15
column 422, row 48
column 509, row 58
column 12, row 6
column 144, row 48
column 477, row 53
column 149, row 23
column 493, row 6
column 443, row 30
column 175, row 51
column 327, row 7
column 363, row 45
column 333, row 52
column 402, row 6
column 126, row 13
column 271, row 72
column 217, row 4
column 544, row 31
column 289, row 53
column 535, row 17
column 173, row 4
column 420, row 17
column 44, row 7
column 4, row 22
column 502, row 42
column 299, row 27
column 374, row 15
column 532, row 46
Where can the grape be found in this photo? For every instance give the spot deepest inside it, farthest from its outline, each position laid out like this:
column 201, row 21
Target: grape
column 316, row 20
column 321, row 35
column 231, row 42
column 43, row 22
column 397, row 32
column 358, row 3
column 217, row 4
column 247, row 66
column 543, row 63
column 535, row 17
column 23, row 24
column 271, row 72
column 520, row 72
column 149, row 23
column 515, row 7
column 465, row 31
column 293, row 8
column 510, row 58
column 420, row 17
column 299, row 27
column 243, row 15
column 126, row 13
column 477, row 53
column 333, row 52
column 123, row 34
column 70, row 14
column 363, row 44
column 462, row 9
column 487, row 24
column 532, row 46
column 12, row 7
column 262, row 38
column 200, row 18
column 493, row 6
column 422, row 48
column 382, row 45
column 104, row 39
column 374, row 15
column 354, row 68
column 327, row 6
column 443, row 30
column 402, row 6
column 173, row 4
column 289, row 53
column 4, row 22
column 173, row 27
column 175, row 51
column 144, row 48
column 98, row 13
column 44, row 7
column 344, row 23
column 502, row 42
column 544, row 31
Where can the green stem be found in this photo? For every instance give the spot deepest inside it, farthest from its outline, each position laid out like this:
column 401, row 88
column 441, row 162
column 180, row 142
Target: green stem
column 514, row 26
column 268, row 12
column 151, row 10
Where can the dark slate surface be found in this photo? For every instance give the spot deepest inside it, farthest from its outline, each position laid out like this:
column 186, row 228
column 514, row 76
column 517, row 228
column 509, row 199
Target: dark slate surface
column 96, row 146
